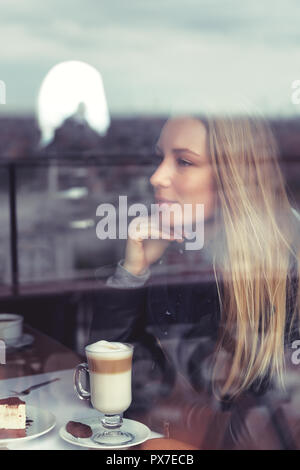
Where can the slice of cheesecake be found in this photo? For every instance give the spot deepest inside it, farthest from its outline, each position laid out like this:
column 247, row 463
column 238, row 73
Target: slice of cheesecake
column 12, row 416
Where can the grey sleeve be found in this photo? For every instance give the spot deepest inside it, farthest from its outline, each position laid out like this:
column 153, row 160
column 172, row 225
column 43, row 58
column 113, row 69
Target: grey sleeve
column 123, row 278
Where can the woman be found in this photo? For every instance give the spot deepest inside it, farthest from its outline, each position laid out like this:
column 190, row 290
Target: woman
column 228, row 334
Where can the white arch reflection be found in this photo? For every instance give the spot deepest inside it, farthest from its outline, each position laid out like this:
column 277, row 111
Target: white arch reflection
column 71, row 88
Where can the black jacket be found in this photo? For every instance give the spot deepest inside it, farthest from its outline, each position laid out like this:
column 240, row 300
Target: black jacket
column 173, row 322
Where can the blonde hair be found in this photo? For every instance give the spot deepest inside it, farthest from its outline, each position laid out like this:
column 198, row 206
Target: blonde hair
column 253, row 261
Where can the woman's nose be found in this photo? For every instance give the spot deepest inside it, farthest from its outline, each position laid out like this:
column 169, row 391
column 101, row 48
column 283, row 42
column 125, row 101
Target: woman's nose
column 162, row 176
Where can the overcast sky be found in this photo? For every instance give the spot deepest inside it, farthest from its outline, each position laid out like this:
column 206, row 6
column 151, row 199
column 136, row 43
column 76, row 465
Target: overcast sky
column 157, row 55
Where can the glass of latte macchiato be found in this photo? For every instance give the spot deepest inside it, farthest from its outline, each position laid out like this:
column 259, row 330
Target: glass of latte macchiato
column 109, row 369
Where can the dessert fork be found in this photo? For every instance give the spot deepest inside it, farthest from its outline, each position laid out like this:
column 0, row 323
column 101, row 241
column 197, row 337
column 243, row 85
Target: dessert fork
column 33, row 387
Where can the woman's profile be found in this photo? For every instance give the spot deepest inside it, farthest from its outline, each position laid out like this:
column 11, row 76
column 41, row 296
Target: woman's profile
column 227, row 320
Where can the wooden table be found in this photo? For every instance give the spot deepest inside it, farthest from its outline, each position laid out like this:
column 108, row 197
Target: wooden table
column 44, row 355
column 281, row 429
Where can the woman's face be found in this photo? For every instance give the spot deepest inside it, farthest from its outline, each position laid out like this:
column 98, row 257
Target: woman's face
column 184, row 174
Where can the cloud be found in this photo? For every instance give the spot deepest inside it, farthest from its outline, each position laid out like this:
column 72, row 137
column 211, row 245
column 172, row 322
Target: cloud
column 153, row 53
column 22, row 44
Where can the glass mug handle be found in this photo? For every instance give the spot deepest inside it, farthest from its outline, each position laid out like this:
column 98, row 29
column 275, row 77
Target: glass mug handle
column 81, row 392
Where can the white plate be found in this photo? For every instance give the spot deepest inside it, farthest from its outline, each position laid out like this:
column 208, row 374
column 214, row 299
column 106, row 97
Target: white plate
column 25, row 340
column 139, row 430
column 42, row 422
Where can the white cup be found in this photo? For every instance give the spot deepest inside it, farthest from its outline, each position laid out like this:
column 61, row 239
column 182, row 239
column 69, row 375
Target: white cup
column 11, row 327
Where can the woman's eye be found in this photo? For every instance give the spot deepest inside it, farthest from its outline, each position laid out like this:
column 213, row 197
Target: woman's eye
column 182, row 162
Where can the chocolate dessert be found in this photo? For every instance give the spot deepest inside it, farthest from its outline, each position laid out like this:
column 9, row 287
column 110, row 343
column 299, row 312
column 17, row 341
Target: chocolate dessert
column 79, row 429
column 12, row 401
column 12, row 433
column 12, row 418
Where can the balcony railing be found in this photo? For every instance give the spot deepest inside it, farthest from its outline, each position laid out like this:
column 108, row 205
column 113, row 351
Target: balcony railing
column 48, row 227
column 51, row 245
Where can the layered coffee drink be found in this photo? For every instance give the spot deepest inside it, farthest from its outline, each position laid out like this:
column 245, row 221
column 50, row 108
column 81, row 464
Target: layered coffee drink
column 110, row 376
column 109, row 369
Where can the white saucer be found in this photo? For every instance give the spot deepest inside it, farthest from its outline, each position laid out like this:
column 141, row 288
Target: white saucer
column 24, row 340
column 42, row 422
column 139, row 430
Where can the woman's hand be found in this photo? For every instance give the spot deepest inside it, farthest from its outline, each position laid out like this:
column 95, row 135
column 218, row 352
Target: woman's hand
column 142, row 249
